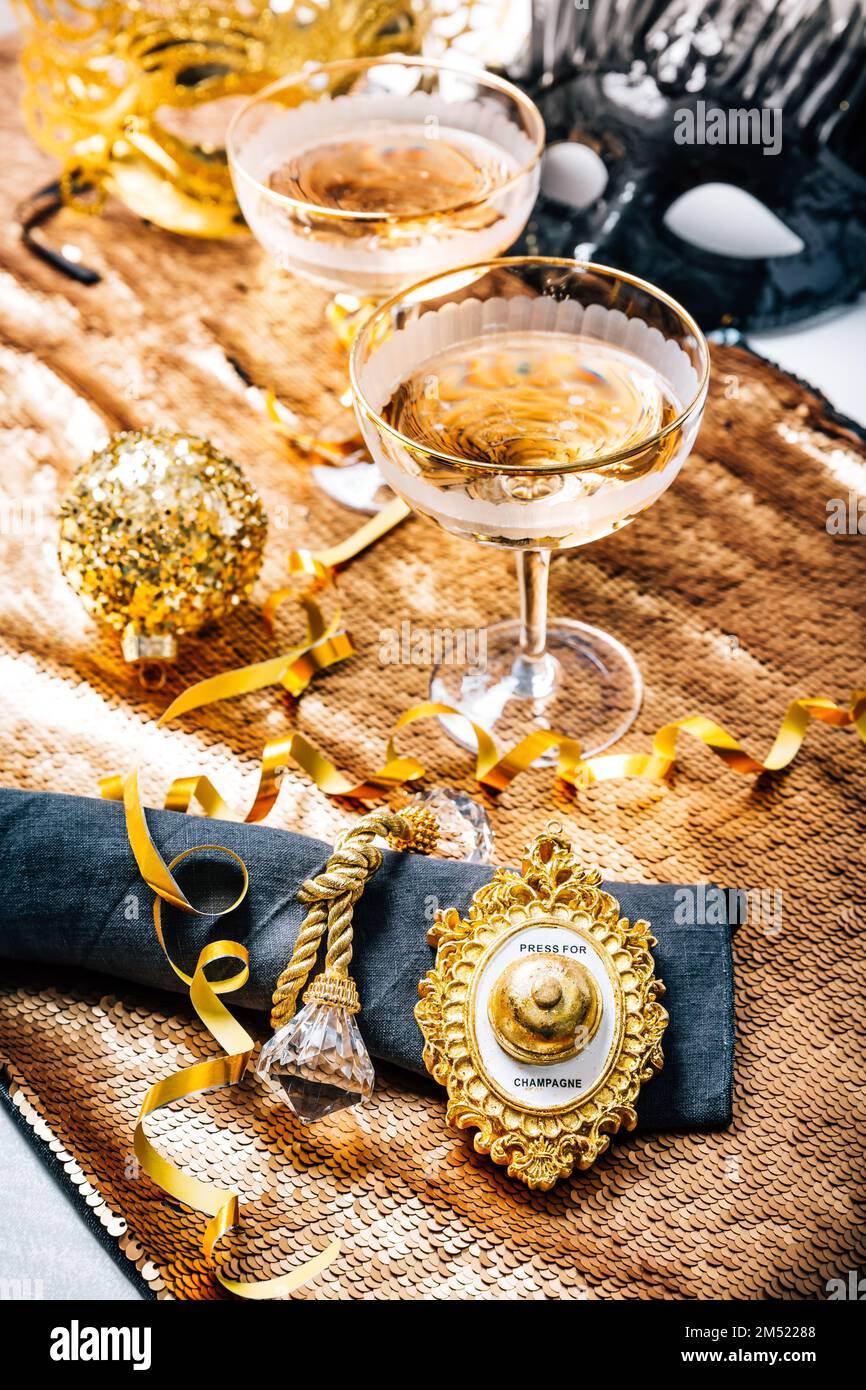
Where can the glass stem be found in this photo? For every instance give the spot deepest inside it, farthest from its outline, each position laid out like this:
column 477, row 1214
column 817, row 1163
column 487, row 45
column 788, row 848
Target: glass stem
column 533, row 568
column 534, row 670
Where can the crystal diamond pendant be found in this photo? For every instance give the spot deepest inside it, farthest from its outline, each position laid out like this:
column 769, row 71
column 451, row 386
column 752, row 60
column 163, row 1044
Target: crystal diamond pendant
column 318, row 1062
column 465, row 831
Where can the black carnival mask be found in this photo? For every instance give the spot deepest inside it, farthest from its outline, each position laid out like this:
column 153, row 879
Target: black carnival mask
column 714, row 148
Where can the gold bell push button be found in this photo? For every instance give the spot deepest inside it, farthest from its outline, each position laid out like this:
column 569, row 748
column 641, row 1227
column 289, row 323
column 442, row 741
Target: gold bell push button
column 541, row 1017
column 544, row 1009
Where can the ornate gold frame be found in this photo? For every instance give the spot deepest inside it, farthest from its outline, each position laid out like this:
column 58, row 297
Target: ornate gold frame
column 552, row 889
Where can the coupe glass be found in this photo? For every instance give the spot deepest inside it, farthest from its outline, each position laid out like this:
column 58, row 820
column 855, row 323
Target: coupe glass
column 363, row 175
column 538, row 405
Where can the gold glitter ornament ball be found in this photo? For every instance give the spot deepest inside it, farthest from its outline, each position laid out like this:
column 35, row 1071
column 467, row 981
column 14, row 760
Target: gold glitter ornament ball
column 160, row 534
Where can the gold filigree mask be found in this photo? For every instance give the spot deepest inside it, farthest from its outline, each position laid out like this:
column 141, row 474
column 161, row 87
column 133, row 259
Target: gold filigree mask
column 134, row 98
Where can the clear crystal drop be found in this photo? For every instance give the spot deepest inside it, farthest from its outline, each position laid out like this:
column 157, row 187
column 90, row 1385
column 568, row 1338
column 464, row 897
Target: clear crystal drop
column 465, row 831
column 318, row 1062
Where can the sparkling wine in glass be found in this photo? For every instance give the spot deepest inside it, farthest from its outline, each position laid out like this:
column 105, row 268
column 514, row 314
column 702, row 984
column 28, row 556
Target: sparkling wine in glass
column 537, row 405
column 365, row 174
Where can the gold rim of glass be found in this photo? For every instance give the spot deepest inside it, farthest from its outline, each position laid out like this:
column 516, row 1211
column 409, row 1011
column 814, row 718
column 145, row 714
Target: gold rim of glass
column 601, row 461
column 486, row 79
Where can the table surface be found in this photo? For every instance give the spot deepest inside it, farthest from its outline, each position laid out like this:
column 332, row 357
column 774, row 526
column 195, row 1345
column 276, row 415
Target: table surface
column 46, row 1248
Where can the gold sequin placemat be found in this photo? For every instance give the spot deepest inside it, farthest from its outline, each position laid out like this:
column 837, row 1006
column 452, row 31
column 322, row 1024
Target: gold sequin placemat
column 735, row 599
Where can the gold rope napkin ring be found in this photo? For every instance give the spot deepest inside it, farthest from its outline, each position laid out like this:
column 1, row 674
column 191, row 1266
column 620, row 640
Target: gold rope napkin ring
column 317, row 1060
column 332, row 896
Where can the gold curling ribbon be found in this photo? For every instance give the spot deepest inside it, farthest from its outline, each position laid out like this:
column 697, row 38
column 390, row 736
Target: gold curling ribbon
column 656, row 764
column 385, row 520
column 496, row 773
column 293, row 670
column 320, row 565
column 287, row 423
column 220, row 1204
column 493, row 771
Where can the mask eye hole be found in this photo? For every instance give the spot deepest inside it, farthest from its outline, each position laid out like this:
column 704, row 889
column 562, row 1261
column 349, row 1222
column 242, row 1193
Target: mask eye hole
column 573, row 174
column 725, row 219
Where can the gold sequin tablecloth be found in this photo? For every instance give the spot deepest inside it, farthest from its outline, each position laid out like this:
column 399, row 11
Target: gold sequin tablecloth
column 734, row 598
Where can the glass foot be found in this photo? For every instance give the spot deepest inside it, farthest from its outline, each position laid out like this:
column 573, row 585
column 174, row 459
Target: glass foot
column 587, row 686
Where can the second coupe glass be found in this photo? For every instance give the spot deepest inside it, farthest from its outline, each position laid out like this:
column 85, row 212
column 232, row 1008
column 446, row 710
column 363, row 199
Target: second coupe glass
column 364, row 174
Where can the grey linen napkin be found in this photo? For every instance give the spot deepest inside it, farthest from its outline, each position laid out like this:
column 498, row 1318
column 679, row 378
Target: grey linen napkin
column 73, row 896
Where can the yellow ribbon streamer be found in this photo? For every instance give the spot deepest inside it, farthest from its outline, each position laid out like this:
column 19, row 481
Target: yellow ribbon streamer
column 334, row 451
column 385, row 520
column 658, row 763
column 496, row 773
column 320, row 565
column 492, row 770
column 220, row 1204
column 293, row 670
